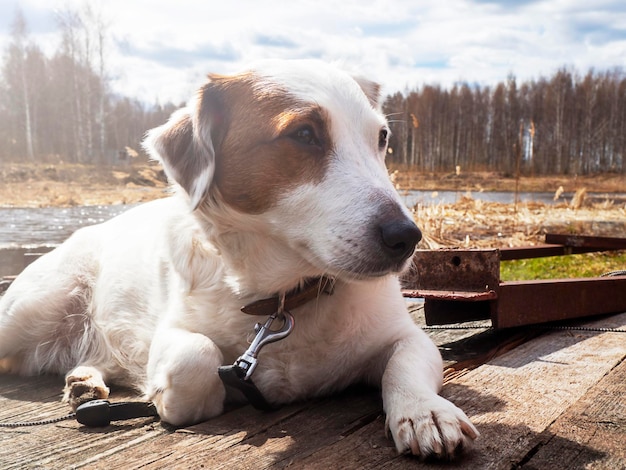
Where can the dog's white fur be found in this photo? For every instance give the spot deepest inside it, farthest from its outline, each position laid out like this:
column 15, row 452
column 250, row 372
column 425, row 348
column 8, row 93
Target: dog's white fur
column 151, row 298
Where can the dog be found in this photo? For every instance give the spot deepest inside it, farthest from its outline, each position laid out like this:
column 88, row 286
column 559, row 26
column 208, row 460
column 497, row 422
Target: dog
column 279, row 181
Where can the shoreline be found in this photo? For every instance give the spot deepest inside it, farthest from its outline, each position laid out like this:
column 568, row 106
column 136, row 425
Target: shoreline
column 491, row 181
column 68, row 185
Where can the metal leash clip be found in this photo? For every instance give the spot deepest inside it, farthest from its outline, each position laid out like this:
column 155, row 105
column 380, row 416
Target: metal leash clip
column 247, row 362
column 239, row 374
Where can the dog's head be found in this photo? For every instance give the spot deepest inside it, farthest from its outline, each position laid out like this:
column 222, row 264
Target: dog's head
column 296, row 149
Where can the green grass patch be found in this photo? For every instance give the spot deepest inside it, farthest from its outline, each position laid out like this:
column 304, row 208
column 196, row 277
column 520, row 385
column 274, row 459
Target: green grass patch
column 562, row 267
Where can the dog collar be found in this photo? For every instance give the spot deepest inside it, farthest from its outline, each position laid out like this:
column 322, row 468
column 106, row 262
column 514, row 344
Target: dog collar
column 239, row 374
column 311, row 289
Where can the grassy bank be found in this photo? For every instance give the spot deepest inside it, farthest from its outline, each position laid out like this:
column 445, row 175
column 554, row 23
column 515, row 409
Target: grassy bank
column 562, row 267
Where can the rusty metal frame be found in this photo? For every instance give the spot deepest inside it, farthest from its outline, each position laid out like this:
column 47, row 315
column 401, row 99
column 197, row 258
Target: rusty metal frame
column 464, row 285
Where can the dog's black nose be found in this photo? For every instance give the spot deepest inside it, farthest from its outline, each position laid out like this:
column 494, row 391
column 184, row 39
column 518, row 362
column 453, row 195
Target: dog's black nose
column 399, row 238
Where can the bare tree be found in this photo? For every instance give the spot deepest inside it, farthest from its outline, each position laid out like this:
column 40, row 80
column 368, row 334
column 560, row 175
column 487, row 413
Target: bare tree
column 16, row 76
column 561, row 125
column 84, row 39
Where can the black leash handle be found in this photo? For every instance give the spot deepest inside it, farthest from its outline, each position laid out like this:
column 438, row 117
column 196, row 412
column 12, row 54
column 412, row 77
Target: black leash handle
column 97, row 413
column 100, row 413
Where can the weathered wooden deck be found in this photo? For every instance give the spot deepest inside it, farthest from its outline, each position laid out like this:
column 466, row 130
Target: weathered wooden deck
column 554, row 401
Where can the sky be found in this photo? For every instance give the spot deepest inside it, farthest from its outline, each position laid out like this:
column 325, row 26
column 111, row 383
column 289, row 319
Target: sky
column 161, row 50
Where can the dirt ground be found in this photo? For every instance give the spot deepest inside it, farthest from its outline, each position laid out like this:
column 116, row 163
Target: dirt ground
column 65, row 185
column 468, row 223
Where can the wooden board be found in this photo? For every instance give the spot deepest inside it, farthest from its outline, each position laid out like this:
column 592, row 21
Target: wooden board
column 591, row 433
column 557, row 399
column 515, row 398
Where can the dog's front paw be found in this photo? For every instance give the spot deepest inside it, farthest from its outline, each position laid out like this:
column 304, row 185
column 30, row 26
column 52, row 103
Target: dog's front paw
column 430, row 427
column 183, row 382
column 84, row 384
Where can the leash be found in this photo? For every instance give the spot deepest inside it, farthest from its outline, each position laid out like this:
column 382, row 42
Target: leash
column 100, row 413
column 239, row 374
column 41, row 422
column 97, row 413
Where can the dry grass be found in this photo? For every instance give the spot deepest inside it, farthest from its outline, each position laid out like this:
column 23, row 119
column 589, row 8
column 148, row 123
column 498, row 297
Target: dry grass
column 492, row 181
column 472, row 223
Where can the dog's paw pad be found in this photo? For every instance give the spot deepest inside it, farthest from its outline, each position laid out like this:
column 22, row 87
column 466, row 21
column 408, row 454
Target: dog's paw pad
column 84, row 384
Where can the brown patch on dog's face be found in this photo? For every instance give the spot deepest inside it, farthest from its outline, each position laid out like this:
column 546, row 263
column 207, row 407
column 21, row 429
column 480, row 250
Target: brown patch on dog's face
column 269, row 142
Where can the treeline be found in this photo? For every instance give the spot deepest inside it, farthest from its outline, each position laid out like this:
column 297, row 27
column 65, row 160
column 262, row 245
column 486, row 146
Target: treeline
column 566, row 124
column 60, row 107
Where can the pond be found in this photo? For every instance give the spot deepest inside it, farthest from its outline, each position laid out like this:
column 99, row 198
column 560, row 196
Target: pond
column 52, row 225
column 411, row 198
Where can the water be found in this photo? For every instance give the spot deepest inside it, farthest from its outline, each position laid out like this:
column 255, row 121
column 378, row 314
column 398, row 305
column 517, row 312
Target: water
column 52, row 225
column 411, row 198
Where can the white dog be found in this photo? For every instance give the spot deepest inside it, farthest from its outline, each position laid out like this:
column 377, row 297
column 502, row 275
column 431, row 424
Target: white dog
column 280, row 182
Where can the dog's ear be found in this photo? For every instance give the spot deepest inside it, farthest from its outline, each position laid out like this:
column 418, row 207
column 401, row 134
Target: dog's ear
column 186, row 143
column 371, row 90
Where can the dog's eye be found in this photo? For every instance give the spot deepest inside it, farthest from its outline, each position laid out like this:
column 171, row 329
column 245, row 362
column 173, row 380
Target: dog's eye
column 383, row 137
column 305, row 135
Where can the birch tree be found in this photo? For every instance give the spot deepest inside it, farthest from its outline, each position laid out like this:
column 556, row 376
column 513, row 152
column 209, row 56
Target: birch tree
column 16, row 78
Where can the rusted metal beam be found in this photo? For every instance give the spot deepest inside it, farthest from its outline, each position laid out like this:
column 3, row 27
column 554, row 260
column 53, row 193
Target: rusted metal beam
column 441, row 307
column 580, row 241
column 540, row 251
column 453, row 269
column 464, row 285
column 447, row 279
column 439, row 311
column 557, row 245
column 530, row 302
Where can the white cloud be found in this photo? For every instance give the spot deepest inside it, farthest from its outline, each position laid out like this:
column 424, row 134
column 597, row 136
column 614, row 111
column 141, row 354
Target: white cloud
column 163, row 49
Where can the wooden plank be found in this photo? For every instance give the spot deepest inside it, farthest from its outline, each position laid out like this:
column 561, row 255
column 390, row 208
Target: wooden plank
column 592, row 431
column 514, row 401
column 62, row 444
column 517, row 396
column 255, row 440
column 365, row 448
